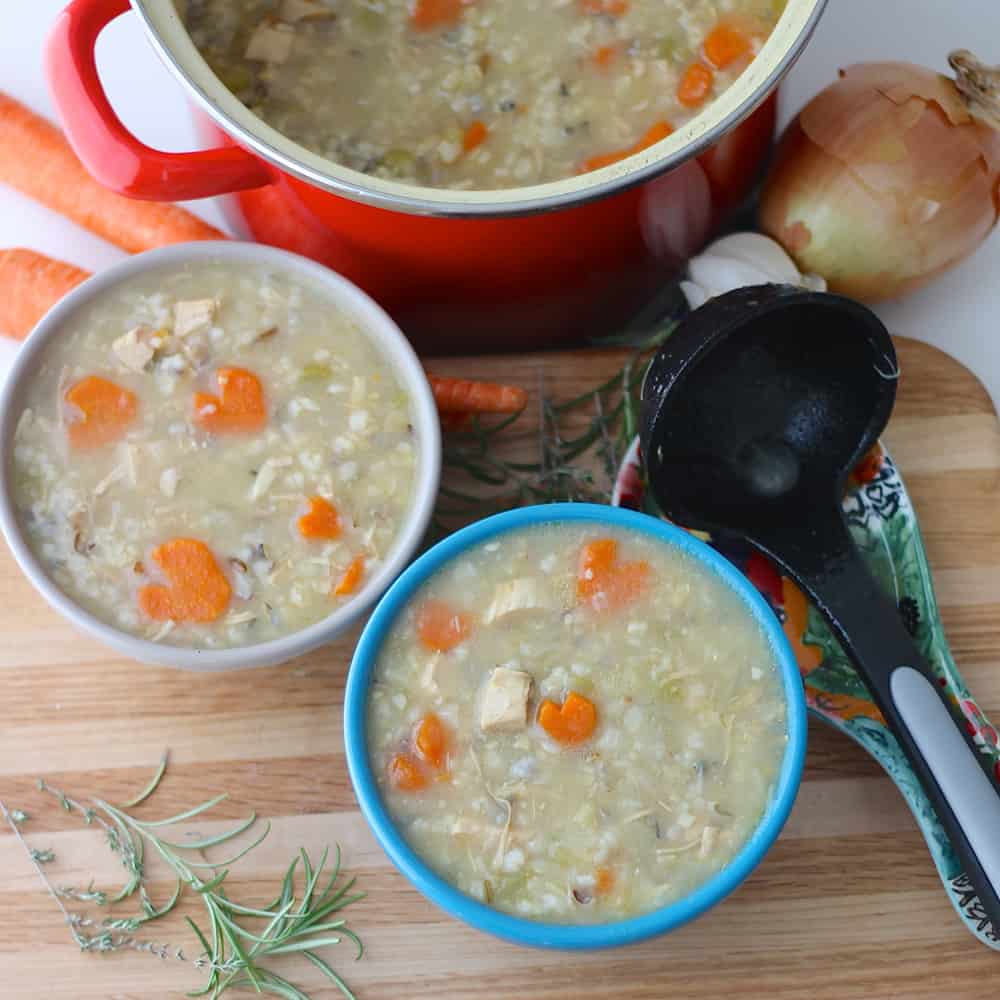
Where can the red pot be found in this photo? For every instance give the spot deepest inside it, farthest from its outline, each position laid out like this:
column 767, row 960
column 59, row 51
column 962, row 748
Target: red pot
column 459, row 270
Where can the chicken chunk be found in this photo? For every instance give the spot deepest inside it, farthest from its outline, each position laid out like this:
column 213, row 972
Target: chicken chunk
column 270, row 43
column 525, row 593
column 135, row 349
column 192, row 315
column 504, row 704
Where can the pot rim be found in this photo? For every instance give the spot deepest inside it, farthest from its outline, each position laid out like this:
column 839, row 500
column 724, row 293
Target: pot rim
column 175, row 48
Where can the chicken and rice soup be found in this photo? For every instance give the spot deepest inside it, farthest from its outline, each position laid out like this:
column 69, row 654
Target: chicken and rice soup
column 575, row 724
column 213, row 455
column 477, row 93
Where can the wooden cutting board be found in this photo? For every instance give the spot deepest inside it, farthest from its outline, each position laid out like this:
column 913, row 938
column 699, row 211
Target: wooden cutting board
column 847, row 904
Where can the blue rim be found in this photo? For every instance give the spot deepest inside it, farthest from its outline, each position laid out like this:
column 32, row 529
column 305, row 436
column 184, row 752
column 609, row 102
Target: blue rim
column 537, row 933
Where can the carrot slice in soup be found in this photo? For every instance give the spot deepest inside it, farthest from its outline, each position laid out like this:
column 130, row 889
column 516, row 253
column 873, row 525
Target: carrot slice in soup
column 596, row 561
column 652, row 136
column 572, row 722
column 442, row 627
column 604, row 880
column 725, row 44
column 103, row 413
column 432, row 741
column 405, row 773
column 350, row 578
column 430, row 14
column 239, row 407
column 695, row 85
column 475, row 136
column 605, row 583
column 198, row 590
column 320, row 521
column 604, row 56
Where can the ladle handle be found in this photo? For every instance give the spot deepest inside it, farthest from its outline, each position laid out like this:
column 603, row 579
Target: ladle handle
column 930, row 729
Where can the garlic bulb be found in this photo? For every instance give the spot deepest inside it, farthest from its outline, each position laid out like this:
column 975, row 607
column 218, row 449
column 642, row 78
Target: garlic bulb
column 738, row 260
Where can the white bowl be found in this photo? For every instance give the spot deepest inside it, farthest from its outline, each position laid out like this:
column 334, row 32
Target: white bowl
column 383, row 332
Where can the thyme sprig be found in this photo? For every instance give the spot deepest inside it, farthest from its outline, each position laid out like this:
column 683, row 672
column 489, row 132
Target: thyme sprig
column 237, row 939
column 581, row 444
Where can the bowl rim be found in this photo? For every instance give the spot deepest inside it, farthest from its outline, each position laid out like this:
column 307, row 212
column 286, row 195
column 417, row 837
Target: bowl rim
column 375, row 322
column 540, row 933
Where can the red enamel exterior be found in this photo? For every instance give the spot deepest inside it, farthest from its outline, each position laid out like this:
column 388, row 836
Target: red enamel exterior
column 456, row 284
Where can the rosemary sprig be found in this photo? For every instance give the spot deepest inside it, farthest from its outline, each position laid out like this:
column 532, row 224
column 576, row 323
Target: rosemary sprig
column 581, row 444
column 239, row 938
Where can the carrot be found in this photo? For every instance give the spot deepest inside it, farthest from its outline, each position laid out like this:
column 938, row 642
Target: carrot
column 605, row 583
column 652, row 135
column 405, row 773
column 320, row 521
column 461, row 395
column 604, row 56
column 724, row 44
column 440, row 626
column 351, row 577
column 695, row 85
column 614, row 8
column 572, row 722
column 101, row 412
column 36, row 159
column 431, row 740
column 604, row 880
column 30, row 284
column 198, row 590
column 475, row 135
column 241, row 407
column 430, row 14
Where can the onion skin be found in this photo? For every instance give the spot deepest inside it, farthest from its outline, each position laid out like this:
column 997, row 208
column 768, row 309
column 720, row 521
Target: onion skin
column 883, row 181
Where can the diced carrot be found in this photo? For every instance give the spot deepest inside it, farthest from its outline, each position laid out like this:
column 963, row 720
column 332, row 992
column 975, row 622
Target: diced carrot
column 615, row 8
column 604, row 880
column 695, row 85
column 462, row 395
column 440, row 626
column 725, row 44
column 605, row 583
column 652, row 135
column 351, row 577
column 320, row 521
column 239, row 407
column 431, row 740
column 475, row 136
column 405, row 773
column 427, row 15
column 572, row 722
column 604, row 56
column 30, row 285
column 198, row 590
column 103, row 412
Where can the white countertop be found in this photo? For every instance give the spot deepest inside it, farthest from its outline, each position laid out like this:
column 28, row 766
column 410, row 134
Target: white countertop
column 959, row 312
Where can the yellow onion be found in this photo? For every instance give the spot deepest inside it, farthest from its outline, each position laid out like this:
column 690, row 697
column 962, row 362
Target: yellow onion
column 889, row 176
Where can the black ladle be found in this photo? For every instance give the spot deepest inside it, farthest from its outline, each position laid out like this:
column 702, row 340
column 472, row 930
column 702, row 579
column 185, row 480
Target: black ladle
column 753, row 414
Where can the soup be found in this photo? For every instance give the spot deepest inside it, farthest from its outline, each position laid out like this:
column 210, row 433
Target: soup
column 477, row 93
column 576, row 725
column 213, row 455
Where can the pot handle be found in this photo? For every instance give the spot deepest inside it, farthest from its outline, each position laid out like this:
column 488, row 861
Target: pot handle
column 112, row 154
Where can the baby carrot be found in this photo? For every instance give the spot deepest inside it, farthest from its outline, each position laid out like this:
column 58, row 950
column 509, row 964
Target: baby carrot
column 239, row 408
column 405, row 773
column 695, row 85
column 430, row 14
column 30, row 284
column 725, row 44
column 350, row 578
column 651, row 136
column 320, row 521
column 36, row 159
column 440, row 626
column 615, row 8
column 475, row 136
column 101, row 412
column 198, row 590
column 460, row 395
column 571, row 723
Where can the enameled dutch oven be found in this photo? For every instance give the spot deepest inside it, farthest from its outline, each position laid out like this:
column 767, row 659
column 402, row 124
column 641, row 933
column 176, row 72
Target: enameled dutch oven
column 458, row 270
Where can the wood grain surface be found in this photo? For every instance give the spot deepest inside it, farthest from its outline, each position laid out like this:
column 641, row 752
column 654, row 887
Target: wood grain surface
column 846, row 905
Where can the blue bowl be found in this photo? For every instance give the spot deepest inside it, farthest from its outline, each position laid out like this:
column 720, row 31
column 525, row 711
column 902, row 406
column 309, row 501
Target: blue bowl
column 533, row 932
